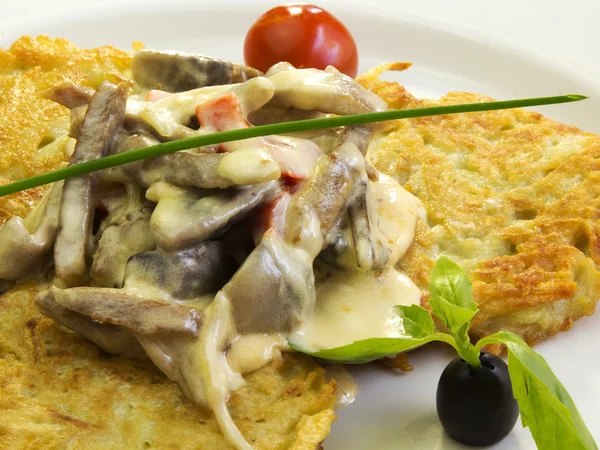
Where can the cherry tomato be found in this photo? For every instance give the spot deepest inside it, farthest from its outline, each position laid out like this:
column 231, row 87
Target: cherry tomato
column 303, row 35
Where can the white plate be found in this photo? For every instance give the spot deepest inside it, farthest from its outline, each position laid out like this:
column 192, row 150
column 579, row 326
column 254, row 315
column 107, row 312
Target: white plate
column 393, row 410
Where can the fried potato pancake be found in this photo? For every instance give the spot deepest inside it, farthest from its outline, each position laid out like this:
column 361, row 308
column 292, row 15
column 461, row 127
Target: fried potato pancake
column 33, row 130
column 511, row 196
column 57, row 390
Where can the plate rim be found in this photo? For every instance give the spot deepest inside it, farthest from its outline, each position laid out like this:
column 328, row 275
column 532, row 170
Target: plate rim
column 379, row 8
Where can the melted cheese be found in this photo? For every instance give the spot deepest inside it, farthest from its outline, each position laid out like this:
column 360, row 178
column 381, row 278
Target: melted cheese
column 168, row 115
column 250, row 352
column 346, row 389
column 398, row 211
column 354, row 306
column 249, row 166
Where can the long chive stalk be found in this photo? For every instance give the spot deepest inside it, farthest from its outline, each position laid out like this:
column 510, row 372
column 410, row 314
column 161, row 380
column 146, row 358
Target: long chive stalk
column 265, row 130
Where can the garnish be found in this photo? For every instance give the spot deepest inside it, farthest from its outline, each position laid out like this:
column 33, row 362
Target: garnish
column 316, row 34
column 546, row 406
column 265, row 130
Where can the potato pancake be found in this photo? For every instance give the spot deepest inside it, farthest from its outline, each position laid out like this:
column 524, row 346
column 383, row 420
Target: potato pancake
column 511, row 196
column 33, row 130
column 58, row 390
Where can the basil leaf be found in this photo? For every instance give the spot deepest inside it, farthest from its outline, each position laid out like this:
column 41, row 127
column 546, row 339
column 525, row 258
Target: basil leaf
column 452, row 302
column 416, row 321
column 451, row 296
column 367, row 350
column 546, row 406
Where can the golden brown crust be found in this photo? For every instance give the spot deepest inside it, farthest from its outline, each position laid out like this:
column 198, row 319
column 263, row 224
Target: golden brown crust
column 400, row 361
column 33, row 130
column 510, row 195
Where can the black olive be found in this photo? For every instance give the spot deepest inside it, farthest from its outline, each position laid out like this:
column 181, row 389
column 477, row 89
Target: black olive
column 476, row 405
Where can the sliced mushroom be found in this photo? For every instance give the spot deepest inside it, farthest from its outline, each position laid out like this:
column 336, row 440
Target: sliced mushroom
column 199, row 365
column 189, row 169
column 102, row 121
column 271, row 113
column 114, row 306
column 74, row 97
column 178, row 72
column 113, row 339
column 24, row 242
column 186, row 217
column 272, row 289
column 125, row 233
column 368, row 242
column 371, row 252
column 325, row 91
column 356, row 243
column 183, row 275
column 76, row 118
column 322, row 201
column 70, row 95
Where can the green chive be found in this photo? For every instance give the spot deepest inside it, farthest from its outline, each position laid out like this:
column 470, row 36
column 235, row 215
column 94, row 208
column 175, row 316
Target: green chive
column 265, row 130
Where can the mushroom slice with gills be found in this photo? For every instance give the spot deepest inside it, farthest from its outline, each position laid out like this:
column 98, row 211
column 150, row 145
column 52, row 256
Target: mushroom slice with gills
column 125, row 232
column 183, row 275
column 177, row 71
column 328, row 91
column 184, row 217
column 113, row 339
column 323, row 199
column 101, row 123
column 24, row 242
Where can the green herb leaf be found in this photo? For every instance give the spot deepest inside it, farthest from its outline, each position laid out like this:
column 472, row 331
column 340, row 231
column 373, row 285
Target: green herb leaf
column 416, row 321
column 265, row 130
column 367, row 350
column 417, row 329
column 452, row 302
column 546, row 406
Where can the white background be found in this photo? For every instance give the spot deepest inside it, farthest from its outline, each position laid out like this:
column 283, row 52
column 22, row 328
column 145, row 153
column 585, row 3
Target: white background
column 566, row 30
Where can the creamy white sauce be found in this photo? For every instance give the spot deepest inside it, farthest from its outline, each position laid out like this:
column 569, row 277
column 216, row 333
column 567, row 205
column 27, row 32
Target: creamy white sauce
column 167, row 115
column 346, row 389
column 399, row 212
column 355, row 306
column 251, row 352
column 249, row 166
column 217, row 330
